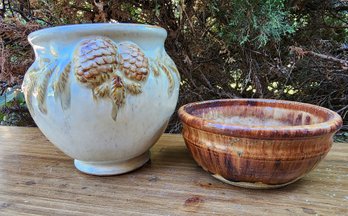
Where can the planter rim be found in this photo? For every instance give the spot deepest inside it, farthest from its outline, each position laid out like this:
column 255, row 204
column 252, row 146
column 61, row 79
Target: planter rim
column 332, row 123
column 96, row 29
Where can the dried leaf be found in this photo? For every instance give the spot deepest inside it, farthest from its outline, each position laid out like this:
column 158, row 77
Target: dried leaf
column 133, row 88
column 171, row 65
column 28, row 86
column 170, row 78
column 173, row 68
column 102, row 91
column 117, row 95
column 62, row 87
column 154, row 68
column 42, row 85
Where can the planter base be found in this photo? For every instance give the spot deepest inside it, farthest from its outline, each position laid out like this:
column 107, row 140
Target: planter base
column 256, row 185
column 111, row 167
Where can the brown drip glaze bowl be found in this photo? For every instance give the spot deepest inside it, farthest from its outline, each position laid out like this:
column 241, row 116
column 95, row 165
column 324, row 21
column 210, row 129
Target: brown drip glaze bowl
column 257, row 143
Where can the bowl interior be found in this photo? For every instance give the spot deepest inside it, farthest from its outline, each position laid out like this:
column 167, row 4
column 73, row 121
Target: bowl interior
column 254, row 113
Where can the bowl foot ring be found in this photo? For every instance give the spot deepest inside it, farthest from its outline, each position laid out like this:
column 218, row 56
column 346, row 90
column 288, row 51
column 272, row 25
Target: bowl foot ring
column 256, row 185
column 111, row 167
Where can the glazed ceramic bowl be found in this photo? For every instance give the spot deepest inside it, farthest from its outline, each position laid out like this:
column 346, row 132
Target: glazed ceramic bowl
column 102, row 93
column 256, row 143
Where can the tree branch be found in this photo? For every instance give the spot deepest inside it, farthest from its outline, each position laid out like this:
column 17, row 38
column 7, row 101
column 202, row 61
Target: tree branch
column 10, row 8
column 81, row 9
column 301, row 52
column 341, row 8
column 3, row 9
column 342, row 109
column 22, row 14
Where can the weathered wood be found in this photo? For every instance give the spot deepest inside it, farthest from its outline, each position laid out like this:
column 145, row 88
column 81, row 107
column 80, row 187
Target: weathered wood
column 37, row 178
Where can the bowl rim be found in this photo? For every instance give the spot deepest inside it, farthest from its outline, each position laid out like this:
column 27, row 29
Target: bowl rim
column 333, row 124
column 94, row 28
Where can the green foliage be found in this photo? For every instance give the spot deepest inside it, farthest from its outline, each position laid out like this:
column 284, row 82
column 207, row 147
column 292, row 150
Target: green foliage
column 341, row 137
column 7, row 97
column 10, row 96
column 253, row 21
column 13, row 110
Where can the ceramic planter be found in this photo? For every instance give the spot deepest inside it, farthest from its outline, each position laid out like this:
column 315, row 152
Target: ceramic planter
column 102, row 93
column 258, row 143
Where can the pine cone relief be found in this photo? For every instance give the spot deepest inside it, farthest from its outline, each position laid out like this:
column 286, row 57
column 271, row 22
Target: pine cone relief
column 111, row 70
column 95, row 61
column 133, row 62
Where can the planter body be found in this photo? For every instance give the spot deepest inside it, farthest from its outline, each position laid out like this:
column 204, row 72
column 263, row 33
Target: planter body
column 102, row 93
column 258, row 143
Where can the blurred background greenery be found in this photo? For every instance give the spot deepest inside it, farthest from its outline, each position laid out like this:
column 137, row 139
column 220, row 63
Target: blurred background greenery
column 283, row 49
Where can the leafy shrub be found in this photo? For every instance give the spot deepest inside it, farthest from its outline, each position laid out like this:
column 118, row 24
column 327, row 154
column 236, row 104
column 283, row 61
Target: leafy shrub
column 283, row 49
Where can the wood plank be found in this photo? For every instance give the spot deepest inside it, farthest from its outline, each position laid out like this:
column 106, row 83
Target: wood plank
column 38, row 179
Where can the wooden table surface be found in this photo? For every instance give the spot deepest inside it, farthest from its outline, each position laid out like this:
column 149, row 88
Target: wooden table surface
column 37, row 178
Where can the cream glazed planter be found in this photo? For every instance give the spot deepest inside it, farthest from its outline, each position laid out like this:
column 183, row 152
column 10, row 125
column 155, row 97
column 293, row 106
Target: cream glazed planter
column 102, row 93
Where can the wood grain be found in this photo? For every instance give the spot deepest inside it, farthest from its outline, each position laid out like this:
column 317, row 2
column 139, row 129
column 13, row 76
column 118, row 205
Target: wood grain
column 38, row 179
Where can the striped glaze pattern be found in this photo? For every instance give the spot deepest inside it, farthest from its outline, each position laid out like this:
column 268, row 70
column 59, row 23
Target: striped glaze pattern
column 282, row 142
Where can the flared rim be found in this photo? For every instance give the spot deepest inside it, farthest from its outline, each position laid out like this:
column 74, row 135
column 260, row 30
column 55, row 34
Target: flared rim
column 101, row 28
column 332, row 123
